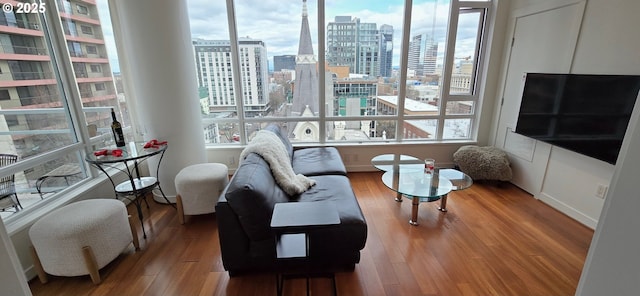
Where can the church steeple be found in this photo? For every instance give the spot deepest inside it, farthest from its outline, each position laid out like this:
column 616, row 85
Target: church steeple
column 305, row 47
column 305, row 92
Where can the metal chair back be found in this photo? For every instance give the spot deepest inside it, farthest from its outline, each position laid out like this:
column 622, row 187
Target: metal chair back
column 7, row 184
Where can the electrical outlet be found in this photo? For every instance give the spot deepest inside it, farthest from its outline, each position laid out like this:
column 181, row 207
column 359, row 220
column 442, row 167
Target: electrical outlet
column 601, row 191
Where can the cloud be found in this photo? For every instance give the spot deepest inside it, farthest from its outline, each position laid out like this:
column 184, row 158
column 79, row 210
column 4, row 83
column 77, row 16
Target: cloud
column 278, row 22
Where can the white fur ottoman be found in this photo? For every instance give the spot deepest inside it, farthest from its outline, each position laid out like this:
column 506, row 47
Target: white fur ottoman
column 80, row 238
column 198, row 188
column 483, row 163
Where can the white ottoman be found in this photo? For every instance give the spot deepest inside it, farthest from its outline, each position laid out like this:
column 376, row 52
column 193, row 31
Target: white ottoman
column 198, row 188
column 80, row 238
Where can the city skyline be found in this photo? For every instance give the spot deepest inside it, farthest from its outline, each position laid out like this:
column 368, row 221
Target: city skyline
column 208, row 21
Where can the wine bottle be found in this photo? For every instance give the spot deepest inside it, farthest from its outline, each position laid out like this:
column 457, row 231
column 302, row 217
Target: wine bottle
column 116, row 128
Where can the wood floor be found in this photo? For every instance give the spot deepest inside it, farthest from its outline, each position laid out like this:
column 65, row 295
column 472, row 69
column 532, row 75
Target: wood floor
column 495, row 240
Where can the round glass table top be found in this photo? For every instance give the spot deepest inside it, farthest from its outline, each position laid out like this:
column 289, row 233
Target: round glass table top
column 458, row 179
column 397, row 162
column 132, row 151
column 427, row 187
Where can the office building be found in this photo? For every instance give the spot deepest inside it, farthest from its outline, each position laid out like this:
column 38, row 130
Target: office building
column 358, row 45
column 386, row 50
column 423, row 53
column 213, row 65
column 284, row 62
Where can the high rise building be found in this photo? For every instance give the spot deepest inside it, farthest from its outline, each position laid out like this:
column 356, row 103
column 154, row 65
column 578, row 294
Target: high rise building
column 386, row 50
column 342, row 42
column 423, row 54
column 213, row 65
column 28, row 81
column 361, row 46
column 284, row 62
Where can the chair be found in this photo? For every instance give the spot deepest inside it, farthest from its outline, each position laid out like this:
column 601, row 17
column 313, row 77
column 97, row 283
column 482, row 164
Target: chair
column 8, row 196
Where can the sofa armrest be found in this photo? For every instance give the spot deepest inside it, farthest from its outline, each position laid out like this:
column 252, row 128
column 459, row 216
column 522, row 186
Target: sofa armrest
column 234, row 243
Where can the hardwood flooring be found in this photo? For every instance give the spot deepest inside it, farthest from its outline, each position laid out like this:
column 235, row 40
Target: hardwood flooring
column 494, row 240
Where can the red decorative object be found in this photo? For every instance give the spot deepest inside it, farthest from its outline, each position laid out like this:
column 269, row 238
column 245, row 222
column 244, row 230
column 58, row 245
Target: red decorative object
column 154, row 144
column 104, row 152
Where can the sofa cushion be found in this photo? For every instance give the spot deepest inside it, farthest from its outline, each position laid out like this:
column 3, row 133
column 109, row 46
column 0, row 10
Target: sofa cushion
column 318, row 161
column 252, row 193
column 351, row 233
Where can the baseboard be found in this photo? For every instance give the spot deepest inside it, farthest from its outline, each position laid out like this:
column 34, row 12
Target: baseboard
column 567, row 210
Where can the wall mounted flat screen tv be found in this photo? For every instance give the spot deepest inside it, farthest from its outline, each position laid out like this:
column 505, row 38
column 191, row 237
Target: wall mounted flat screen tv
column 585, row 113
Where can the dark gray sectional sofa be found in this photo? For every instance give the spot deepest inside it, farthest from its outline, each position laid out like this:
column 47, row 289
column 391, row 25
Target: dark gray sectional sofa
column 244, row 210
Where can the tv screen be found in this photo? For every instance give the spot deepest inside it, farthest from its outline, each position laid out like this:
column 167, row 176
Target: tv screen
column 585, row 113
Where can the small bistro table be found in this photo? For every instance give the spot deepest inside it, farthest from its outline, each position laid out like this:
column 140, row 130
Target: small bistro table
column 136, row 187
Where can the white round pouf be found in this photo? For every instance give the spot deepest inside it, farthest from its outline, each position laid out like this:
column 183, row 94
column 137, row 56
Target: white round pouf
column 198, row 188
column 80, row 238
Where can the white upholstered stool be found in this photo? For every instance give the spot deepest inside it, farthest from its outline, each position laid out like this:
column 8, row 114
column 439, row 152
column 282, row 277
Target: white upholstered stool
column 198, row 187
column 80, row 238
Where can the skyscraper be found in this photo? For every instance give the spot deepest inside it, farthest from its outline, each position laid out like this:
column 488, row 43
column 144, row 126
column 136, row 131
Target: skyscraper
column 361, row 46
column 386, row 50
column 213, row 65
column 341, row 42
column 423, row 53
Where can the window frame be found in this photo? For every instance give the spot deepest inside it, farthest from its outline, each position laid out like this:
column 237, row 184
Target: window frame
column 72, row 107
column 457, row 7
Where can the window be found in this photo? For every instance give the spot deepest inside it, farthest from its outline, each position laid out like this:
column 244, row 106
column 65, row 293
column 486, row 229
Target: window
column 91, row 49
column 12, row 120
column 86, row 30
column 82, row 9
column 365, row 94
column 35, row 108
column 4, row 95
column 96, row 68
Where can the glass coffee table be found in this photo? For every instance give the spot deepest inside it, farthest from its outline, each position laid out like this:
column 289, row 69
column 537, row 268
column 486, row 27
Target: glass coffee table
column 405, row 175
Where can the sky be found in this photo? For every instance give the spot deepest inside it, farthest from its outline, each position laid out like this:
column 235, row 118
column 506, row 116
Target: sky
column 277, row 22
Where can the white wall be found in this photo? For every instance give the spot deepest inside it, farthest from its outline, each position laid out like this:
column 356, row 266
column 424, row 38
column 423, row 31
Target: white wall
column 613, row 265
column 608, row 43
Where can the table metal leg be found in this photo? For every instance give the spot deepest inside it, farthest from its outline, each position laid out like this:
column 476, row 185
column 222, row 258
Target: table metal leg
column 139, row 208
column 399, row 197
column 443, row 203
column 415, row 202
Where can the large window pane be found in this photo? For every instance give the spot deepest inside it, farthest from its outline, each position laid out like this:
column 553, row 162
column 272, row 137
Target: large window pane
column 362, row 54
column 427, row 45
column 459, row 128
column 288, row 35
column 34, row 105
column 420, row 129
column 21, row 190
column 213, row 61
column 33, row 118
column 466, row 47
column 362, row 49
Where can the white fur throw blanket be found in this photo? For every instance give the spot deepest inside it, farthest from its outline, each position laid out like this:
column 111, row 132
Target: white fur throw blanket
column 270, row 147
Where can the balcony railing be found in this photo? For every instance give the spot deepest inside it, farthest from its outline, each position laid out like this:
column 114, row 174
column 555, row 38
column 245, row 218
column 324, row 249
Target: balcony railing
column 21, row 24
column 23, row 49
column 31, row 75
column 76, row 54
column 35, row 100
